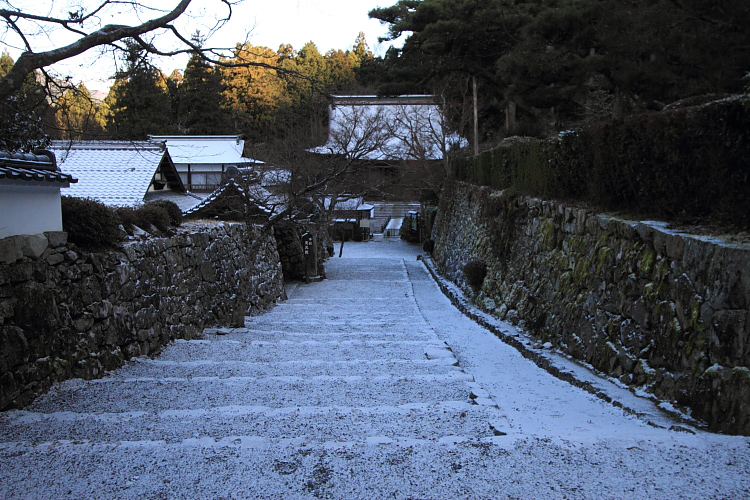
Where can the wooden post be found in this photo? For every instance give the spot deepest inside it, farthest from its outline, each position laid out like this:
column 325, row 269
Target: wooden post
column 476, row 118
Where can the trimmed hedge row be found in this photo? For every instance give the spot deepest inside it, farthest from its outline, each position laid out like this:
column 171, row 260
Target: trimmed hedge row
column 686, row 164
column 90, row 223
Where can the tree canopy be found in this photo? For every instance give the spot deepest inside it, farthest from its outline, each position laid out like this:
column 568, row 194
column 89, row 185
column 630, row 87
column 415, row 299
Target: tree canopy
column 141, row 105
column 564, row 61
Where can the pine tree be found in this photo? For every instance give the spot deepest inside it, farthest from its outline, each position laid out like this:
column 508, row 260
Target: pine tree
column 141, row 103
column 201, row 107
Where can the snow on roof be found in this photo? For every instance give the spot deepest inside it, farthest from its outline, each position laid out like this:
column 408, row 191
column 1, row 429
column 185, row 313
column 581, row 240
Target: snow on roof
column 32, row 169
column 253, row 196
column 205, row 149
column 345, row 204
column 275, row 176
column 112, row 172
column 409, row 127
column 185, row 201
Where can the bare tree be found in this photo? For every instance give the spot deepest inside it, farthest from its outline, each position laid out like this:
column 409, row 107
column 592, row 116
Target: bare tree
column 85, row 26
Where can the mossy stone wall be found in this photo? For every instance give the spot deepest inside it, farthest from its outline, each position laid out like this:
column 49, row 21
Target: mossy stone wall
column 663, row 311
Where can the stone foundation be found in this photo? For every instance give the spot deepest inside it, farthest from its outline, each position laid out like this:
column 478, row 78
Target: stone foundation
column 662, row 311
column 65, row 312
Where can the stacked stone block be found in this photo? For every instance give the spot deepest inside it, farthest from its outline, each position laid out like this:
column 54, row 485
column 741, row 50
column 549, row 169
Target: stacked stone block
column 66, row 312
column 660, row 310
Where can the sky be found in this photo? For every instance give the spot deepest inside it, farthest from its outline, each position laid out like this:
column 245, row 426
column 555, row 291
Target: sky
column 330, row 24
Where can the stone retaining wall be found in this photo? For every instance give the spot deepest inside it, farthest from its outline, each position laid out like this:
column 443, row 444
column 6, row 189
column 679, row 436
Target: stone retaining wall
column 662, row 311
column 65, row 312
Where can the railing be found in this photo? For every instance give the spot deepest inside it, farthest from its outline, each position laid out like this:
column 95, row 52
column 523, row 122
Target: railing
column 201, row 188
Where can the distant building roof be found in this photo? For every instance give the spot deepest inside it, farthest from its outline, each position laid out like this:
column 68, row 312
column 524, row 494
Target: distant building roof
column 206, row 149
column 32, row 170
column 348, row 204
column 368, row 127
column 185, row 201
column 232, row 200
column 116, row 172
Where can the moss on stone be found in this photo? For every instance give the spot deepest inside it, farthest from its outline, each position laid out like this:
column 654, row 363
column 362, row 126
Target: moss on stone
column 581, row 273
column 647, row 261
column 695, row 316
column 602, row 256
column 741, row 374
column 547, row 234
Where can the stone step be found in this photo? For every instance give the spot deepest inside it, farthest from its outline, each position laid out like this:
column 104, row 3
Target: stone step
column 354, row 320
column 377, row 467
column 158, row 368
column 332, row 289
column 343, row 309
column 153, row 394
column 320, row 333
column 314, row 326
column 320, row 424
column 287, row 350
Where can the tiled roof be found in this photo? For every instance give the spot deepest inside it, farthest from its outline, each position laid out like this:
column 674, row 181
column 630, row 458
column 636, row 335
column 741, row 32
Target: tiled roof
column 205, row 149
column 34, row 169
column 221, row 199
column 387, row 128
column 114, row 172
column 185, row 201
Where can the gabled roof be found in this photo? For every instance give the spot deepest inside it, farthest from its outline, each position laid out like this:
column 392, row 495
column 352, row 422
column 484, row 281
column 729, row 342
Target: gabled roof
column 368, row 127
column 205, row 149
column 31, row 169
column 230, row 200
column 115, row 172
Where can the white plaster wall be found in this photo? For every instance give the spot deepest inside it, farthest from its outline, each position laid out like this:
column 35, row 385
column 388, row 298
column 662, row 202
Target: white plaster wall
column 29, row 210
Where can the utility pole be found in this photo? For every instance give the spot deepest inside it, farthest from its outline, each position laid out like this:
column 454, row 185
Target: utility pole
column 476, row 118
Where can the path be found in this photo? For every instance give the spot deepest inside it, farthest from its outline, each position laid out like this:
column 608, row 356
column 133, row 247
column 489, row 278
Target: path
column 367, row 385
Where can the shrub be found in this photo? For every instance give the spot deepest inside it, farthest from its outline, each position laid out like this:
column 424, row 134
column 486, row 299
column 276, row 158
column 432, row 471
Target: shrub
column 154, row 215
column 428, row 245
column 683, row 164
column 474, row 273
column 89, row 222
column 129, row 218
column 175, row 214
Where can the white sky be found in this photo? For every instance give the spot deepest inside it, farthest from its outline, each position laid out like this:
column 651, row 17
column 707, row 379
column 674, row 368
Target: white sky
column 330, row 24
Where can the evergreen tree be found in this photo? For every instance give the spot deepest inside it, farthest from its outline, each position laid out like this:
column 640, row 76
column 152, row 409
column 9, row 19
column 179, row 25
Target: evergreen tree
column 339, row 71
column 201, row 105
column 21, row 125
column 562, row 61
column 173, row 83
column 76, row 115
column 254, row 94
column 141, row 103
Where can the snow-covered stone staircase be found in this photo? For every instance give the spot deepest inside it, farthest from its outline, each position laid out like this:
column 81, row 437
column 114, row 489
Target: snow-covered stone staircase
column 348, row 363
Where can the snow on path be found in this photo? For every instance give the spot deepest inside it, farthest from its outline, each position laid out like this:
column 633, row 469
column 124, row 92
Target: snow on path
column 367, row 385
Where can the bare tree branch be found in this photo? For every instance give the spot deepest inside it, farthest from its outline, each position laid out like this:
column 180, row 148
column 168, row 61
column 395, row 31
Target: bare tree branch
column 30, row 61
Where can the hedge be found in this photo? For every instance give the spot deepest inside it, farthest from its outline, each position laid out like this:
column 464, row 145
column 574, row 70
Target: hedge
column 685, row 164
column 90, row 223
